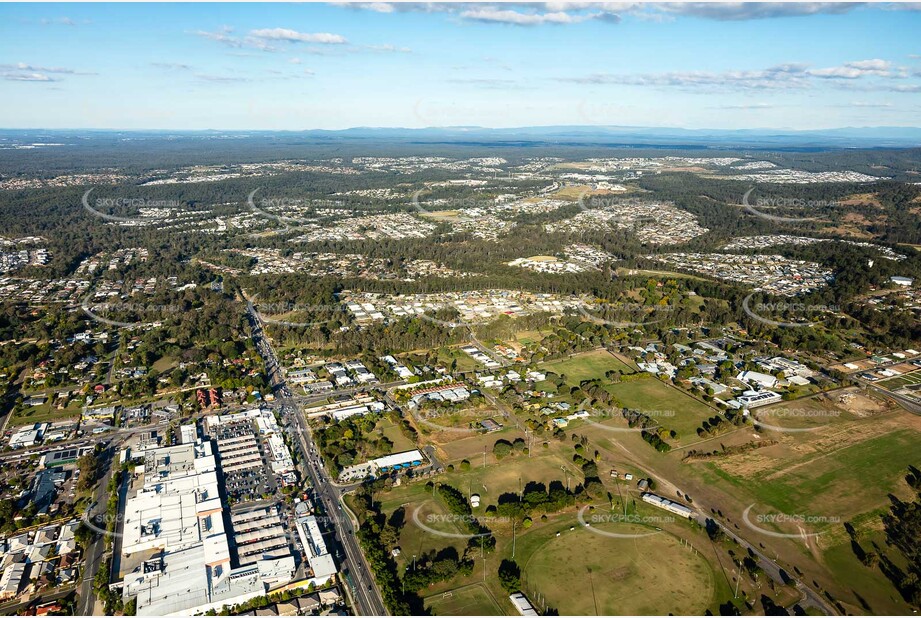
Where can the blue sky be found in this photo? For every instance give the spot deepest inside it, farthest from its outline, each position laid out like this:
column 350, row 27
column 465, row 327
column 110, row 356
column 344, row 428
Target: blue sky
column 305, row 66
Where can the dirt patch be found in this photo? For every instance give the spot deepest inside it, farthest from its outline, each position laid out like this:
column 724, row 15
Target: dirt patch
column 862, row 199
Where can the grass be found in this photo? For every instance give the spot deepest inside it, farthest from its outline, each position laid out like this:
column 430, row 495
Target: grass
column 393, row 433
column 903, row 380
column 472, row 600
column 830, row 480
column 628, row 575
column 587, row 366
column 673, row 408
column 494, row 480
column 464, row 361
column 529, row 337
column 583, row 573
column 876, row 593
column 165, row 364
column 472, row 447
column 45, row 413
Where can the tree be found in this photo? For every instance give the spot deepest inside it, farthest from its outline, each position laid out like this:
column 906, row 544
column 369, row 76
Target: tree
column 510, row 575
column 501, row 448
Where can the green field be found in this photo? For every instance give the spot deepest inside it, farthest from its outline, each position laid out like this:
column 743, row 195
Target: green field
column 676, row 410
column 584, row 573
column 877, row 595
column 45, row 413
column 472, row 600
column 903, row 380
column 587, row 366
column 494, row 480
column 393, row 433
column 464, row 361
column 834, row 482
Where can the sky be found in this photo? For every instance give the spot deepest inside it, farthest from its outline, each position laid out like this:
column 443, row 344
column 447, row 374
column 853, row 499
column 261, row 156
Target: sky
column 333, row 66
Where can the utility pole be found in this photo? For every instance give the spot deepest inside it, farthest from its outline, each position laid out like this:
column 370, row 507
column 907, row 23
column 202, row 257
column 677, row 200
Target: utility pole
column 513, row 539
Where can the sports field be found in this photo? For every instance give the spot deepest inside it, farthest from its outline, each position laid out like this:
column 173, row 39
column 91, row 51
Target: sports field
column 587, row 366
column 45, row 413
column 582, row 572
column 668, row 405
column 393, row 433
column 838, row 472
column 901, row 381
column 472, row 600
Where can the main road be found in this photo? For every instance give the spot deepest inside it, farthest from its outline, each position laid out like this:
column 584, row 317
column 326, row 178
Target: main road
column 367, row 597
column 95, row 552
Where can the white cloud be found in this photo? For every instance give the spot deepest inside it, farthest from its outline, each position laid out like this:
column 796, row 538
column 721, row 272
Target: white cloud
column 558, row 13
column 782, row 76
column 493, row 83
column 27, row 77
column 748, row 106
column 506, row 16
column 61, row 21
column 387, row 48
column 868, row 104
column 177, row 66
column 22, row 72
column 779, row 76
column 377, row 7
column 855, row 70
column 207, row 77
column 22, row 66
column 293, row 36
column 742, row 11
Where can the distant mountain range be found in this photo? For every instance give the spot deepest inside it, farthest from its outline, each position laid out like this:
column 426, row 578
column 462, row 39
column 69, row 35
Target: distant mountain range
column 846, row 137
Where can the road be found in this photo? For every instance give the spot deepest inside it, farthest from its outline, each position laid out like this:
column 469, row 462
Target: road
column 810, row 597
column 86, row 600
column 367, row 597
column 665, row 487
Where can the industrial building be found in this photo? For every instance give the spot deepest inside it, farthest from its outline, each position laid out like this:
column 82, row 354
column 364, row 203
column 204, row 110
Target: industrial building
column 321, row 562
column 668, row 505
column 398, row 461
column 763, row 380
column 175, row 519
column 754, row 399
column 522, row 604
column 259, row 534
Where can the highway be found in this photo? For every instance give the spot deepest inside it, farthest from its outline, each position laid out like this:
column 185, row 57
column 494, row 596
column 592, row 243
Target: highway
column 86, row 598
column 367, row 597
